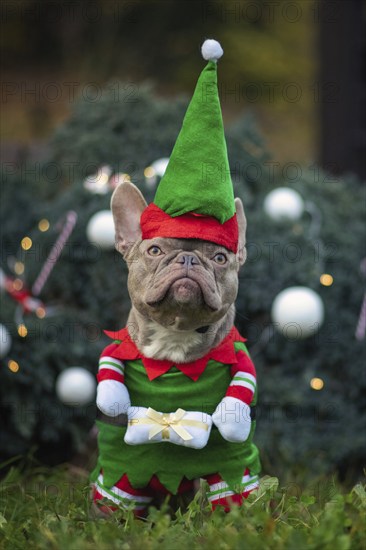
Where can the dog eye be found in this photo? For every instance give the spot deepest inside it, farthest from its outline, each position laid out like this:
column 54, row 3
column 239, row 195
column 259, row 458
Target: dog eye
column 220, row 258
column 154, row 250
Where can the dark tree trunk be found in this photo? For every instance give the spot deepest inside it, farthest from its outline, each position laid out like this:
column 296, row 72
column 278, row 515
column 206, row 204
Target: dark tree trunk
column 342, row 86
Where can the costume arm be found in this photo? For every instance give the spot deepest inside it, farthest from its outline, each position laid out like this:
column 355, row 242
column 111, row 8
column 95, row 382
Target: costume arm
column 243, row 383
column 112, row 395
column 232, row 414
column 110, row 368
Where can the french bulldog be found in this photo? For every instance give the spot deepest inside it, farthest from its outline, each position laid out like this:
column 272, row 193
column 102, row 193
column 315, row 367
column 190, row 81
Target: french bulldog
column 178, row 287
column 182, row 293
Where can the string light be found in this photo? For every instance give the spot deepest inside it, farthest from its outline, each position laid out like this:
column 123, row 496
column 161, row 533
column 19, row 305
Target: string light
column 98, row 182
column 297, row 229
column 149, row 172
column 19, row 268
column 326, row 279
column 103, row 179
column 40, row 312
column 26, row 243
column 22, row 330
column 17, row 284
column 44, row 225
column 317, row 383
column 13, row 365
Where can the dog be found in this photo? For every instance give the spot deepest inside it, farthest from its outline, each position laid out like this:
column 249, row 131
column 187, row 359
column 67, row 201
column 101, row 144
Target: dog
column 179, row 374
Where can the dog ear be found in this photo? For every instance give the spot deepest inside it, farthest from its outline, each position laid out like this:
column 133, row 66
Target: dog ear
column 127, row 205
column 242, row 223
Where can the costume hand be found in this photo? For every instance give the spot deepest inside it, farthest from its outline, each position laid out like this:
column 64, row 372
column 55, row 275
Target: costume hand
column 232, row 417
column 112, row 398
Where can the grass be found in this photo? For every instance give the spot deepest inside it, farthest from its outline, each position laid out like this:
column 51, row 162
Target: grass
column 50, row 508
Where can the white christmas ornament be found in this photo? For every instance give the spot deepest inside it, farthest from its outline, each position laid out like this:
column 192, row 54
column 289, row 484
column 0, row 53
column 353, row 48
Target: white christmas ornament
column 100, row 229
column 160, row 166
column 98, row 183
column 155, row 171
column 75, row 386
column 297, row 312
column 5, row 341
column 284, row 203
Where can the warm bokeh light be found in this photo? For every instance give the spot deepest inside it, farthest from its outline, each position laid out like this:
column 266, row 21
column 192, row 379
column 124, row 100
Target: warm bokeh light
column 317, row 383
column 26, row 243
column 102, row 179
column 326, row 279
column 19, row 268
column 120, row 178
column 40, row 312
column 22, row 330
column 17, row 284
column 13, row 366
column 149, row 172
column 44, row 225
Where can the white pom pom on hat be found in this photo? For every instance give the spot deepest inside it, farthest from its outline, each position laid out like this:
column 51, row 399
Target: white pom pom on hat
column 211, row 50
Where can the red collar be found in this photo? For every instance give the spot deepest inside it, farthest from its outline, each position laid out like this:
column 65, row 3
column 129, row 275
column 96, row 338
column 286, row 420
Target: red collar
column 128, row 351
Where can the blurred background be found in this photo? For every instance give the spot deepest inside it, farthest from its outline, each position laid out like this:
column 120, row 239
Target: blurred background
column 298, row 65
column 94, row 89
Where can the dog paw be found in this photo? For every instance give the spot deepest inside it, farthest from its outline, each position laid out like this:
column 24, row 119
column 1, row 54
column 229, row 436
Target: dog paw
column 113, row 398
column 232, row 418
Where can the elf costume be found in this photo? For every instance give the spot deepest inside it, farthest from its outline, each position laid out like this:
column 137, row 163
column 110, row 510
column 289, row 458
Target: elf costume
column 161, row 450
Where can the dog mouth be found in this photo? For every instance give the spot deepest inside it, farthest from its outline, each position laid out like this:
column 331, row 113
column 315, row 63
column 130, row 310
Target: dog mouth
column 184, row 290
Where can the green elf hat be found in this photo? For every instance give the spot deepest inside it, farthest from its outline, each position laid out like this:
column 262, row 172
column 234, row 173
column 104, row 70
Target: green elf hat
column 195, row 198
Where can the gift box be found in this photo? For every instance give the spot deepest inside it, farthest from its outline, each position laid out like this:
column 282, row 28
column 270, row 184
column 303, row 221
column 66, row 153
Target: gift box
column 186, row 428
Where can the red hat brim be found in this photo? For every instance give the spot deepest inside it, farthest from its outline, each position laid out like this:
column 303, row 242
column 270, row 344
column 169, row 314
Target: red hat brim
column 157, row 223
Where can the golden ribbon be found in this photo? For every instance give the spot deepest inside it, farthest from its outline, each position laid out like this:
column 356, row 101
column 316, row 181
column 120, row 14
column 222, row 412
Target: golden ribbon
column 163, row 421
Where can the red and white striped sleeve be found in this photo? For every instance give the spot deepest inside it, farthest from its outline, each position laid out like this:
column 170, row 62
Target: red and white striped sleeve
column 243, row 383
column 110, row 368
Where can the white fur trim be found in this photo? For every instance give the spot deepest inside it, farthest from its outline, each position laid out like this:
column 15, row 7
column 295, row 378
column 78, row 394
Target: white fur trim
column 211, row 50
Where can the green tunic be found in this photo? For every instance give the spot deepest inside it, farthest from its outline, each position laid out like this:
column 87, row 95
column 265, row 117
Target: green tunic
column 169, row 462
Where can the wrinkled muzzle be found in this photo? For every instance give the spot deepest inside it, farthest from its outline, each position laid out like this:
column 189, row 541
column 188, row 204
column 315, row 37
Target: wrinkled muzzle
column 186, row 282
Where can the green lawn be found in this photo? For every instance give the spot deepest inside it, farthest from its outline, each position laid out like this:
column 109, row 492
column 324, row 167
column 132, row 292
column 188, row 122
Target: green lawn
column 49, row 508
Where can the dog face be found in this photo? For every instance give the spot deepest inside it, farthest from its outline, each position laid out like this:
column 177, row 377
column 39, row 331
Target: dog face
column 185, row 284
column 182, row 283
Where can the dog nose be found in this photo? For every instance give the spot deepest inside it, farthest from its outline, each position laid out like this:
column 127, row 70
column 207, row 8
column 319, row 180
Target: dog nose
column 187, row 259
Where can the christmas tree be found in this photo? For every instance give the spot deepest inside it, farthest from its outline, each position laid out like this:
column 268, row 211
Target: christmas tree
column 310, row 412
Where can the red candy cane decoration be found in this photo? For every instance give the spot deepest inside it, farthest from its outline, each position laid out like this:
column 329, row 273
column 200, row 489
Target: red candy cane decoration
column 53, row 256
